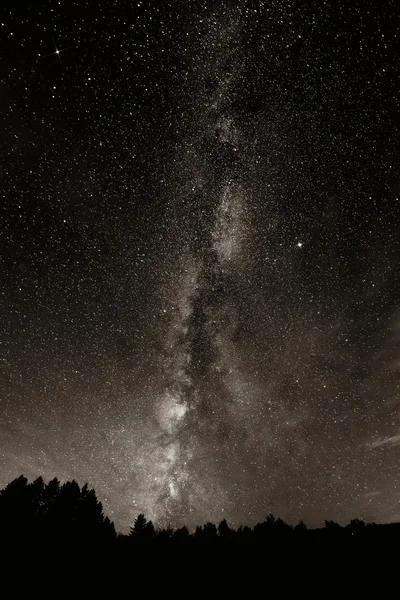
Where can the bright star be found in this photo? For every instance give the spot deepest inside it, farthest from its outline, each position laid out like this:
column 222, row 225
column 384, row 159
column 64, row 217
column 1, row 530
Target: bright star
column 299, row 244
column 56, row 51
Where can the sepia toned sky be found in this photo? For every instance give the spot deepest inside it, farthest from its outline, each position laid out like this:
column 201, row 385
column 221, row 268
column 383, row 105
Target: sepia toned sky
column 199, row 310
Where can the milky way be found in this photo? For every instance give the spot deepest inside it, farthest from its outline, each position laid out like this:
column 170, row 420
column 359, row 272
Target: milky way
column 200, row 307
column 198, row 406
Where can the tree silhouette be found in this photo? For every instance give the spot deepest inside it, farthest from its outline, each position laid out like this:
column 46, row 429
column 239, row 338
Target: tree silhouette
column 332, row 525
column 165, row 535
column 224, row 531
column 356, row 526
column 41, row 512
column 54, row 516
column 142, row 529
column 181, row 535
column 210, row 532
column 15, row 509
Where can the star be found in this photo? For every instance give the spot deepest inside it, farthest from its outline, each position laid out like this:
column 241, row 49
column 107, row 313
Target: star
column 56, row 52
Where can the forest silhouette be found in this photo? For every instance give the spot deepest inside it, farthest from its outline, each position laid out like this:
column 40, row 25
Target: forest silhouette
column 60, row 516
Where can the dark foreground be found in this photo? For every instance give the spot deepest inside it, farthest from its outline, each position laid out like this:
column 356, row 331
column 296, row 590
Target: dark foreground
column 59, row 532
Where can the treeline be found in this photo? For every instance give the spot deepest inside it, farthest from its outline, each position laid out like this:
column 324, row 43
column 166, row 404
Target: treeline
column 54, row 513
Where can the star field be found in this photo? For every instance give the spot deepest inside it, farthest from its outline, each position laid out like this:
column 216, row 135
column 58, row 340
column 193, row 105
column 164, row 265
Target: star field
column 199, row 310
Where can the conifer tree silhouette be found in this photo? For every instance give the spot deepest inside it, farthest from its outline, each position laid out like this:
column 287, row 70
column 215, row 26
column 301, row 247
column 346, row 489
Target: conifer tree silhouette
column 15, row 508
column 181, row 535
column 142, row 529
column 224, row 531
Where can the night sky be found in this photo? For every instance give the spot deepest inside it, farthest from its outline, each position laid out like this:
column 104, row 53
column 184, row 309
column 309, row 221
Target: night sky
column 200, row 243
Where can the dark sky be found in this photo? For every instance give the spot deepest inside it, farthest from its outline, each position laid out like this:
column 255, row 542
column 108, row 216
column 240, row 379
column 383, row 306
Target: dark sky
column 199, row 309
